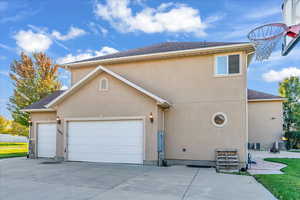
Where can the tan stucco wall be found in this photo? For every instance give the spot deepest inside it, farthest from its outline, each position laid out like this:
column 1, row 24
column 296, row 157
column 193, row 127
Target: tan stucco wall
column 195, row 93
column 119, row 101
column 262, row 128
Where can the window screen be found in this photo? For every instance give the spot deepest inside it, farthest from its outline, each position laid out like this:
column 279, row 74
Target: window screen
column 234, row 64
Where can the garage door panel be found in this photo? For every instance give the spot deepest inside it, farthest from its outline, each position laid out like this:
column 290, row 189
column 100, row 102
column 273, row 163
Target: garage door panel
column 106, row 141
column 111, row 159
column 116, row 141
column 46, row 140
column 106, row 150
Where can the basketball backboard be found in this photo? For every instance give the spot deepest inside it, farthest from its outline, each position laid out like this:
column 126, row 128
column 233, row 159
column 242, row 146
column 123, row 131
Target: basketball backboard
column 291, row 17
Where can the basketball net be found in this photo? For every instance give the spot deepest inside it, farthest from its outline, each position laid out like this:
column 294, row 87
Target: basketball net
column 265, row 38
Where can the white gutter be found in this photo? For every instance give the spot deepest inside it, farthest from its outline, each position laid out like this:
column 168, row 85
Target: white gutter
column 277, row 99
column 157, row 55
column 38, row 110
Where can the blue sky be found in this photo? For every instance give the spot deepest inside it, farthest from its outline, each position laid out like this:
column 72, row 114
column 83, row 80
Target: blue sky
column 78, row 29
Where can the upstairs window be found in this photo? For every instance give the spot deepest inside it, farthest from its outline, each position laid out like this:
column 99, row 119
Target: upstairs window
column 103, row 85
column 227, row 65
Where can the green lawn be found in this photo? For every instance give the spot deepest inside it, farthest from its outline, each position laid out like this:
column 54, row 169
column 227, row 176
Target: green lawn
column 284, row 186
column 8, row 150
column 12, row 155
column 295, row 150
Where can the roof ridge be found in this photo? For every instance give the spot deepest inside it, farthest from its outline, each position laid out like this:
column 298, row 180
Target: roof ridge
column 159, row 48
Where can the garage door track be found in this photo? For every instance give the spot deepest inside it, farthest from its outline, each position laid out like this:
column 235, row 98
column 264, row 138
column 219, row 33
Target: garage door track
column 22, row 179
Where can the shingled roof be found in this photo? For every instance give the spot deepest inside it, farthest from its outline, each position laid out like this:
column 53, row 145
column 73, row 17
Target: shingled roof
column 44, row 101
column 256, row 95
column 252, row 95
column 161, row 47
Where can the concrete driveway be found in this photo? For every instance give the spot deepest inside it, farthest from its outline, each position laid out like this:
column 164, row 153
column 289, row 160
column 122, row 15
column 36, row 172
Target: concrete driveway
column 22, row 179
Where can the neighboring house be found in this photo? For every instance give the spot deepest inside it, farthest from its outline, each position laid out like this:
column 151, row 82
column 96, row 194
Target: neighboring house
column 265, row 119
column 196, row 92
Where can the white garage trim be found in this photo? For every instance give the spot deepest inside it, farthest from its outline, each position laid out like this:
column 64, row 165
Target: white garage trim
column 36, row 133
column 122, row 118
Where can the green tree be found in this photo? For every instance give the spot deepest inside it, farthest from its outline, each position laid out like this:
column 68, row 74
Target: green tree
column 33, row 79
column 18, row 129
column 290, row 89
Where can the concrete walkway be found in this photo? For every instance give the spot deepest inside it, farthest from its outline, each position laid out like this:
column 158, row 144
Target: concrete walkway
column 264, row 167
column 22, row 179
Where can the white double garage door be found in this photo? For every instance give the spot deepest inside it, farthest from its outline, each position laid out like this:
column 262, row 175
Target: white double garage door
column 97, row 141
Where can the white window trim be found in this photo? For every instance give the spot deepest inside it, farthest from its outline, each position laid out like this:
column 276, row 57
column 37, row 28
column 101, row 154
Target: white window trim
column 219, row 125
column 100, row 84
column 226, row 75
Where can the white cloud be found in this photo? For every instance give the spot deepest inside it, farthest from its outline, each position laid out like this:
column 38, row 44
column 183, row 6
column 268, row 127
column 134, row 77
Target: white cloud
column 263, row 12
column 3, row 57
column 167, row 17
column 73, row 33
column 86, row 55
column 97, row 29
column 39, row 39
column 4, row 46
column 30, row 41
column 275, row 76
column 18, row 16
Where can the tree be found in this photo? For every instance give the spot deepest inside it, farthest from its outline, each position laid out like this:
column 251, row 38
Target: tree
column 12, row 127
column 33, row 80
column 18, row 129
column 289, row 88
column 5, row 125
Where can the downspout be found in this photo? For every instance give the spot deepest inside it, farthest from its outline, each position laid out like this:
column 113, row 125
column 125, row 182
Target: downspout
column 249, row 58
column 163, row 118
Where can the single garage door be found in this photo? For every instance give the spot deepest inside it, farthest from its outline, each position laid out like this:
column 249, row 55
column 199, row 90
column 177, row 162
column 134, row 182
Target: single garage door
column 106, row 141
column 46, row 145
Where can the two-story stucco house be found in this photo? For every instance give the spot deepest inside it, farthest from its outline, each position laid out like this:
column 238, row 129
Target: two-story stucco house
column 196, row 92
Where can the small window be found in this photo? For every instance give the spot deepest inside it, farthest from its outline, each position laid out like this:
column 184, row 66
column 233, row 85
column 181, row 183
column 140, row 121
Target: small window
column 219, row 119
column 103, row 84
column 226, row 65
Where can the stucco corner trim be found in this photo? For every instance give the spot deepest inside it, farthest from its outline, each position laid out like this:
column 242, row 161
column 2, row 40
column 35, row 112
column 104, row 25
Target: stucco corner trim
column 160, row 101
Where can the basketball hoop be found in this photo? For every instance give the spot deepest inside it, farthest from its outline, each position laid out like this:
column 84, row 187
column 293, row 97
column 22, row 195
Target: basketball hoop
column 266, row 37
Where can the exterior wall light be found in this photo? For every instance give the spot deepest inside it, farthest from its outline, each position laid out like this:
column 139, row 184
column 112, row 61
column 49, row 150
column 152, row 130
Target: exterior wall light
column 151, row 117
column 58, row 120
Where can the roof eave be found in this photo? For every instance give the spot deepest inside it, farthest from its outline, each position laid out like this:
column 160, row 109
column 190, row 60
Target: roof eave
column 245, row 46
column 38, row 110
column 263, row 100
